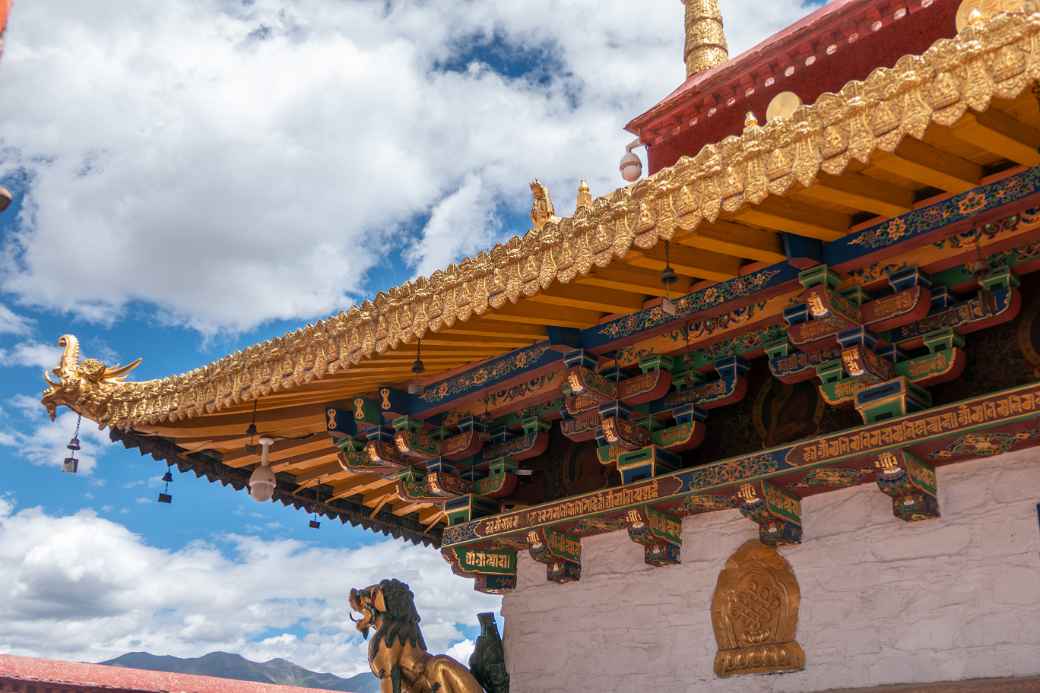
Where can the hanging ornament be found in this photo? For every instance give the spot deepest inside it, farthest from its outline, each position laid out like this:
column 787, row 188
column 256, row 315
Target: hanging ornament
column 668, row 278
column 314, row 524
column 418, row 368
column 71, row 463
column 164, row 495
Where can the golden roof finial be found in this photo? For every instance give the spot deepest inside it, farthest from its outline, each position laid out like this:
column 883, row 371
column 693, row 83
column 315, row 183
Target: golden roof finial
column 584, row 196
column 705, row 37
column 542, row 209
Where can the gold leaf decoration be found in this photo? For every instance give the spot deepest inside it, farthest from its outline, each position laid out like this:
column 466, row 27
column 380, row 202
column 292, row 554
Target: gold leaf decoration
column 998, row 58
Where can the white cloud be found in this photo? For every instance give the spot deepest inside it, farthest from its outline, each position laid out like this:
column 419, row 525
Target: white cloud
column 83, row 587
column 461, row 224
column 179, row 159
column 31, row 354
column 28, row 407
column 45, row 445
column 461, row 651
column 12, row 323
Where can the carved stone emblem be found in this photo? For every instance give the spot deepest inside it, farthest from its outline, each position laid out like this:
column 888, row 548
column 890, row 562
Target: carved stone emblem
column 755, row 614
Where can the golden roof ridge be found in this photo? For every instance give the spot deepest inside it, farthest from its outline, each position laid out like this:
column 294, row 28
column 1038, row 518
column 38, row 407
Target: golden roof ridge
column 998, row 58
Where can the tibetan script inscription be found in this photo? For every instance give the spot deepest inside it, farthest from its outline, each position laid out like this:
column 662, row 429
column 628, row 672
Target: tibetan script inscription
column 915, row 428
column 602, row 501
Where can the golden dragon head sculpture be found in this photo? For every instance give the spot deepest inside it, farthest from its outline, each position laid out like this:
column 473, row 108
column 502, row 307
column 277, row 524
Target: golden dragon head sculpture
column 84, row 385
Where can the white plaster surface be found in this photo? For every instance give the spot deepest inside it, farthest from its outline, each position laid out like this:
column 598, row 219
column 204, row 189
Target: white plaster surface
column 883, row 601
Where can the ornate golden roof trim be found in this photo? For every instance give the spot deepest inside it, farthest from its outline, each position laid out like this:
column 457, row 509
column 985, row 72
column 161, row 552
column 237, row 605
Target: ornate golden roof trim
column 998, row 58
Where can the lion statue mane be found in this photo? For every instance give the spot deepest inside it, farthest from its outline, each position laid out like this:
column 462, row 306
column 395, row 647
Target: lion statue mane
column 397, row 651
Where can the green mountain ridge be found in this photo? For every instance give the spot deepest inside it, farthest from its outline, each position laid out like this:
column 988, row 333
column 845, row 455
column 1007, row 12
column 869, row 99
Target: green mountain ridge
column 232, row 666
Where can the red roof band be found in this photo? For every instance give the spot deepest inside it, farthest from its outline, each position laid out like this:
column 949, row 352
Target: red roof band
column 22, row 673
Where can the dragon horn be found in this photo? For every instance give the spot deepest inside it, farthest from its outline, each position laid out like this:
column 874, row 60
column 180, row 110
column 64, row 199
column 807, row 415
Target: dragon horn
column 120, row 372
column 47, row 378
column 70, row 357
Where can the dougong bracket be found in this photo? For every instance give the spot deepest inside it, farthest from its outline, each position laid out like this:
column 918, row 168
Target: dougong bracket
column 777, row 514
column 660, row 534
column 911, row 483
column 560, row 552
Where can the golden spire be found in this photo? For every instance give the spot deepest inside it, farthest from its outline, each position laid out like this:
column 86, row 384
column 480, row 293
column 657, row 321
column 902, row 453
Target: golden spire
column 584, row 196
column 705, row 37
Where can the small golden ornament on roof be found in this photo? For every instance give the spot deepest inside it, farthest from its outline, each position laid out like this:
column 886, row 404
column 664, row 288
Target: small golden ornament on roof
column 542, row 209
column 584, row 196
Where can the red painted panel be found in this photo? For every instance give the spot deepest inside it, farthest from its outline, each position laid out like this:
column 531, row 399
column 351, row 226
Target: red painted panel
column 914, row 33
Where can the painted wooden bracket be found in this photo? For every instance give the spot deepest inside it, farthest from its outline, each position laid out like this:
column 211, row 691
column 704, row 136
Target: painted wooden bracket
column 892, row 399
column 533, row 441
column 415, row 440
column 493, row 570
column 826, row 312
column 858, row 367
column 469, row 507
column 911, row 483
column 560, row 552
column 646, row 463
column 997, row 301
column 729, row 388
column 378, row 455
column 659, row 533
column 777, row 514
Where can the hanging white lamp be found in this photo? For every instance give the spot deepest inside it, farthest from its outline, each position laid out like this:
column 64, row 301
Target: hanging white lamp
column 262, row 481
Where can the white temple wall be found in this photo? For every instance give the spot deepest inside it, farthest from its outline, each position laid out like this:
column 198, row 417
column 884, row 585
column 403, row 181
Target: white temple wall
column 882, row 600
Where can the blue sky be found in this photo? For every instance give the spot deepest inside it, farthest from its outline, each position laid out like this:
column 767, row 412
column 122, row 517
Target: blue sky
column 193, row 179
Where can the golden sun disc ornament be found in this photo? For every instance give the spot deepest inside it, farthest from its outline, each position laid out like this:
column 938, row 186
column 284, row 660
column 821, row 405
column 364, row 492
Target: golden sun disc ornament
column 783, row 105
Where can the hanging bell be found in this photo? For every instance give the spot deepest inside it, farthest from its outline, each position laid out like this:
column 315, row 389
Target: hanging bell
column 74, row 444
column 167, row 477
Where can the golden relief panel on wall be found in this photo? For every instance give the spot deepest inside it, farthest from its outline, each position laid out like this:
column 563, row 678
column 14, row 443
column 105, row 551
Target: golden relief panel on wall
column 755, row 614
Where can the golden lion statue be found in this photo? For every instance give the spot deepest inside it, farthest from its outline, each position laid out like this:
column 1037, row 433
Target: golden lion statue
column 397, row 652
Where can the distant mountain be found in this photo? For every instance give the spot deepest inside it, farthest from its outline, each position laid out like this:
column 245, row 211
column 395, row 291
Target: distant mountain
column 232, row 666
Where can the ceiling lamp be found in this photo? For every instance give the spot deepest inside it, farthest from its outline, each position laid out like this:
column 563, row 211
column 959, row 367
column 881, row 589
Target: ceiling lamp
column 631, row 166
column 262, row 481
column 164, row 495
column 71, row 464
column 668, row 278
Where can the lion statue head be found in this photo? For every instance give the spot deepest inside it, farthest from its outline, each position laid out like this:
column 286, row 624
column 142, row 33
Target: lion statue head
column 389, row 609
